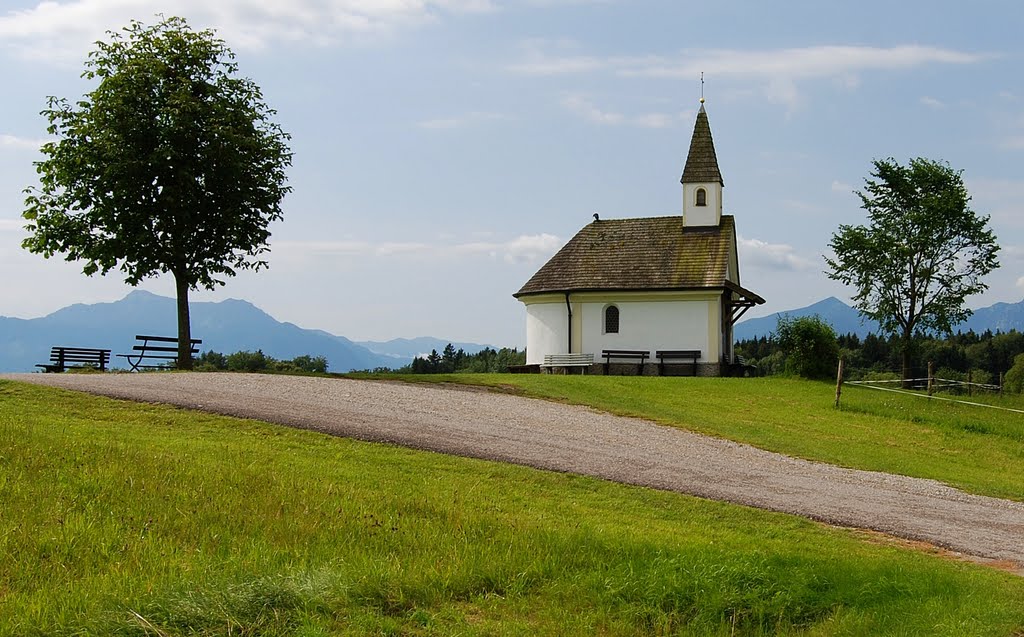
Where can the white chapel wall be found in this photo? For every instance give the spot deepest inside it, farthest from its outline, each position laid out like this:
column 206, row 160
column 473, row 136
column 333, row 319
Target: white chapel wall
column 547, row 330
column 654, row 324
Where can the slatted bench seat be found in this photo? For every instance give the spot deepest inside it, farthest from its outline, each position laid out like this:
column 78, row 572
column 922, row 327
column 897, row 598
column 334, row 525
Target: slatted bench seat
column 692, row 355
column 61, row 358
column 157, row 348
column 625, row 354
column 568, row 361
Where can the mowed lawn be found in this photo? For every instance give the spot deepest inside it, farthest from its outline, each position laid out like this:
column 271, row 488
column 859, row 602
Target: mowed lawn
column 125, row 519
column 977, row 449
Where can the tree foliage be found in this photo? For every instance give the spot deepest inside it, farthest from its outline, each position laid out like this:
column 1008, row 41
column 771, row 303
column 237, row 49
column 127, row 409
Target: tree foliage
column 487, row 360
column 248, row 361
column 1014, row 381
column 984, row 357
column 171, row 165
column 809, row 345
column 922, row 253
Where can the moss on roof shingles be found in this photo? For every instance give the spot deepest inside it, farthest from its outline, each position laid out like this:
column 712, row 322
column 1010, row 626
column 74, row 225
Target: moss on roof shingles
column 652, row 253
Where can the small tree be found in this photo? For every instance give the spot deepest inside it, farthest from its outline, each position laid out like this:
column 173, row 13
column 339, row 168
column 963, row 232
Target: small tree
column 171, row 165
column 810, row 346
column 1013, row 382
column 923, row 252
column 433, row 362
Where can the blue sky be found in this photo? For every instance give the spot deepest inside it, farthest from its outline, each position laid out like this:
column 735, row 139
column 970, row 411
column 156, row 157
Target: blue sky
column 444, row 149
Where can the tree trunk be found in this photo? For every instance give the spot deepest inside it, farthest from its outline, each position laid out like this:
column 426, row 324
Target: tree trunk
column 905, row 355
column 184, row 324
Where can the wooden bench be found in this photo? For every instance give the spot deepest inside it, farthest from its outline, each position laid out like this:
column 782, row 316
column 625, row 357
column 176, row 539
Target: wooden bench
column 567, row 361
column 157, row 348
column 628, row 354
column 60, row 357
column 692, row 355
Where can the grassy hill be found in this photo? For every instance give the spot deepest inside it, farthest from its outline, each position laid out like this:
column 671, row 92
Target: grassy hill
column 128, row 519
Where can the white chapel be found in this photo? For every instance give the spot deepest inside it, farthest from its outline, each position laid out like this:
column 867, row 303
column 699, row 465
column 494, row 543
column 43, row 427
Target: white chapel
column 660, row 286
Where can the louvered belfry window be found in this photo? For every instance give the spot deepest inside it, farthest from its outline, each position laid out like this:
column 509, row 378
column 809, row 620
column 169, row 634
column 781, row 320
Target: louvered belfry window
column 702, row 197
column 611, row 320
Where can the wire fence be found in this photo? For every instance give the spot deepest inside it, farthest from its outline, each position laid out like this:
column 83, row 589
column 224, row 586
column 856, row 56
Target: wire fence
column 875, row 385
column 927, row 387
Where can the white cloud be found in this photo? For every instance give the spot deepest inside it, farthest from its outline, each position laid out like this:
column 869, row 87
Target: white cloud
column 65, row 29
column 931, row 102
column 441, row 123
column 521, row 249
column 461, row 121
column 587, row 110
column 11, row 225
column 542, row 65
column 21, row 143
column 806, row 62
column 1003, row 199
column 1020, row 283
column 538, row 60
column 777, row 70
column 1013, row 252
column 842, row 187
column 531, row 248
column 583, row 107
column 774, row 256
column 1012, row 142
column 840, row 62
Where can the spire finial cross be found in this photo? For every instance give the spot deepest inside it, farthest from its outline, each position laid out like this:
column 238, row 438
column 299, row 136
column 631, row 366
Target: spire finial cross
column 702, row 87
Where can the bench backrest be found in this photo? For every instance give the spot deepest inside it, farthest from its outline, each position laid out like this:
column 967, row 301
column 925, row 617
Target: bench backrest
column 165, row 339
column 79, row 354
column 554, row 360
column 172, row 346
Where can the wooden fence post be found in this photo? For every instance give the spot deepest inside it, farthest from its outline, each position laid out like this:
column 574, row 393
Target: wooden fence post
column 970, row 381
column 839, row 382
column 931, row 377
column 1000, row 383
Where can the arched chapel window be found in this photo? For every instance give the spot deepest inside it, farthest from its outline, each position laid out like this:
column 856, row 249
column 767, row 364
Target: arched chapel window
column 702, row 197
column 611, row 320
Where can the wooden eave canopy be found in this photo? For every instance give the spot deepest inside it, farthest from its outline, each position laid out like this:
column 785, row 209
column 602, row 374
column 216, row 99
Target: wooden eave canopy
column 739, row 301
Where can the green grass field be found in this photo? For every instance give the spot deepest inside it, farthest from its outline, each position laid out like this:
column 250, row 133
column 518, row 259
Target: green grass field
column 127, row 519
column 977, row 449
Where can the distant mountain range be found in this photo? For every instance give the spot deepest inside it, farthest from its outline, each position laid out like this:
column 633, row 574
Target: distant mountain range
column 233, row 325
column 1001, row 317
column 226, row 326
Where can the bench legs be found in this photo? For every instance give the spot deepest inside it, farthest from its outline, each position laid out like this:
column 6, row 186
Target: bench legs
column 661, row 365
column 639, row 367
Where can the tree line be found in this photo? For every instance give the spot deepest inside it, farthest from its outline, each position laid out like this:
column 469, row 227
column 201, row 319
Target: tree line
column 247, row 361
column 451, row 360
column 808, row 347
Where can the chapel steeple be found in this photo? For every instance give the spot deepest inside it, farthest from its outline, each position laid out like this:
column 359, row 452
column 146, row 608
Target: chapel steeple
column 702, row 180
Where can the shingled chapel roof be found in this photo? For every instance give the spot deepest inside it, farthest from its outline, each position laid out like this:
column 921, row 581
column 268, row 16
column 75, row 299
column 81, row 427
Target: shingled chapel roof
column 652, row 253
column 701, row 162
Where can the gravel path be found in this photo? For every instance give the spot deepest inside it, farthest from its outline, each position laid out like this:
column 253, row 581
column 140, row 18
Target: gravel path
column 580, row 440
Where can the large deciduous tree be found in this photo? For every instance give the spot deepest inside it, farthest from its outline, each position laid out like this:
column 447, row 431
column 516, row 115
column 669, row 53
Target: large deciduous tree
column 921, row 254
column 172, row 164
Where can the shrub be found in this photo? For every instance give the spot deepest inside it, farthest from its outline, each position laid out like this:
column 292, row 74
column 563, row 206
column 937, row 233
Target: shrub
column 245, row 361
column 1013, row 382
column 210, row 361
column 311, row 364
column 810, row 346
